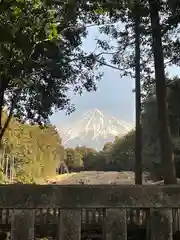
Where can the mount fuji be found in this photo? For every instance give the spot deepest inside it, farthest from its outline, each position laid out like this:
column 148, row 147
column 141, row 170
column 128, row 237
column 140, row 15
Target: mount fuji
column 94, row 129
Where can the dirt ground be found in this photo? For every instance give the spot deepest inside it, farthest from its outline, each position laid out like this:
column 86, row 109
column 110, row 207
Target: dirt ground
column 95, row 177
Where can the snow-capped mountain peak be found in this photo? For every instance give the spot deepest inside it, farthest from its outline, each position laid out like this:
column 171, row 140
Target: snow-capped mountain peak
column 94, row 129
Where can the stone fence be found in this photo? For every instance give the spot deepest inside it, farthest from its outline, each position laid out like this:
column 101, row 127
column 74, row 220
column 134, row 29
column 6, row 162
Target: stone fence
column 71, row 199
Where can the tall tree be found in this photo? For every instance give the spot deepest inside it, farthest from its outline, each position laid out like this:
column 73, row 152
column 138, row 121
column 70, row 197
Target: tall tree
column 164, row 132
column 138, row 141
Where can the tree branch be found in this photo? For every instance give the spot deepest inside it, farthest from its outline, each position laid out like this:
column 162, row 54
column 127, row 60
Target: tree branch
column 13, row 104
column 111, row 66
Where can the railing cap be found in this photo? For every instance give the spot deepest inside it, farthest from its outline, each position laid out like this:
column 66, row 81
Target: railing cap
column 89, row 196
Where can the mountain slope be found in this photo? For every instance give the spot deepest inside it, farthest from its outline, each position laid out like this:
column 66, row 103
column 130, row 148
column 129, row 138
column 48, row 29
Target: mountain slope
column 94, row 129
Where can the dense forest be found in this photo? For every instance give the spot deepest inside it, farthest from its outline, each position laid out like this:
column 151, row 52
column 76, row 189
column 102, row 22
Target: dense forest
column 29, row 152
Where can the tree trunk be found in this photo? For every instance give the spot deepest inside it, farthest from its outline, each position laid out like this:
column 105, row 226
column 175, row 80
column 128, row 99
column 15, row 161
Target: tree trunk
column 167, row 160
column 2, row 89
column 138, row 139
column 10, row 114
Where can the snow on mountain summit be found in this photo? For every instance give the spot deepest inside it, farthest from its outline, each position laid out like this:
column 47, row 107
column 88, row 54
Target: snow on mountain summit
column 94, row 129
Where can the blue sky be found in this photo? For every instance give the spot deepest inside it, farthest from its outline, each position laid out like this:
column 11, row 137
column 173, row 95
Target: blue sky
column 114, row 94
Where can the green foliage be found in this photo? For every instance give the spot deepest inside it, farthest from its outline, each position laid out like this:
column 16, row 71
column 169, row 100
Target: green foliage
column 115, row 156
column 123, row 152
column 41, row 59
column 78, row 158
column 92, row 161
column 73, row 158
column 83, row 150
column 108, row 147
column 36, row 152
column 151, row 147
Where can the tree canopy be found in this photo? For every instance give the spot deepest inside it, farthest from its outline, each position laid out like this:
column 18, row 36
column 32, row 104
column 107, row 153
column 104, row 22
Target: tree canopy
column 41, row 59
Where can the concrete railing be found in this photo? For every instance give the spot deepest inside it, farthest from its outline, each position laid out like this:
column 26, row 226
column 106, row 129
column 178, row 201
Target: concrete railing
column 115, row 199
